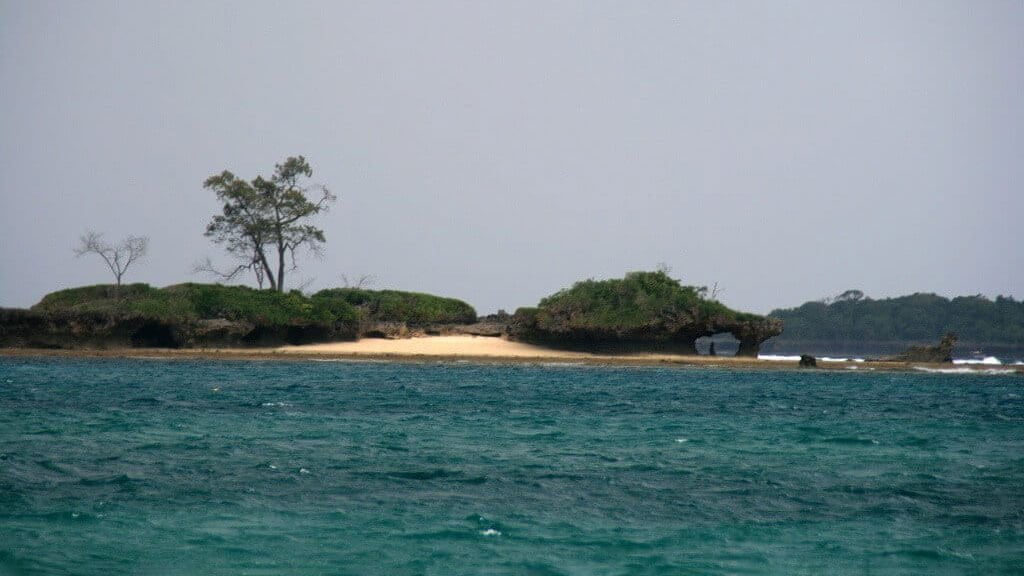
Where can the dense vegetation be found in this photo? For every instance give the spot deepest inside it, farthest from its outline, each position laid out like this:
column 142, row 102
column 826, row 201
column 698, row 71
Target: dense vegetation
column 184, row 302
column 187, row 302
column 853, row 320
column 413, row 308
column 638, row 300
column 214, row 315
column 643, row 310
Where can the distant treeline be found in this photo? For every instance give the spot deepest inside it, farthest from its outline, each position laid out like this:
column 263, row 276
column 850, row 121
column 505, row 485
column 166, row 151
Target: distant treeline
column 852, row 321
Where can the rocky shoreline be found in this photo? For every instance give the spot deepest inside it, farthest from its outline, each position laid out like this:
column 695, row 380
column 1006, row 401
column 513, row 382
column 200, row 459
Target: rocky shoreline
column 32, row 329
column 375, row 350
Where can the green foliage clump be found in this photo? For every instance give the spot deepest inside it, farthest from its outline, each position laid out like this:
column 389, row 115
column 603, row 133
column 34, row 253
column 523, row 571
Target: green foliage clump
column 639, row 300
column 185, row 302
column 128, row 300
column 264, row 306
column 413, row 308
column 917, row 318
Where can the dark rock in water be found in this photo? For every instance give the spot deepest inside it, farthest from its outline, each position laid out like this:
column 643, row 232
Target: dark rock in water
column 808, row 361
column 940, row 353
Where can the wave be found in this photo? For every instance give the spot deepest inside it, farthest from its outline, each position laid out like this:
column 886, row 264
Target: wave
column 783, row 358
column 987, row 360
column 350, row 360
column 852, row 440
column 964, row 370
column 778, row 358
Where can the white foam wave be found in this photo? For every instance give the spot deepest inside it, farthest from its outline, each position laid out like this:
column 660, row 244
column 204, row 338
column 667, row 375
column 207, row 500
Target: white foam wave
column 964, row 370
column 782, row 358
column 350, row 360
column 490, row 532
column 987, row 360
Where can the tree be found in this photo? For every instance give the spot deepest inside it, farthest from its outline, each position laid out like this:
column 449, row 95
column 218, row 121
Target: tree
column 118, row 258
column 252, row 264
column 849, row 295
column 263, row 223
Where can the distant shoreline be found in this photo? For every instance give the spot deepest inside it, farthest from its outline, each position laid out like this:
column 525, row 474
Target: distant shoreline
column 483, row 350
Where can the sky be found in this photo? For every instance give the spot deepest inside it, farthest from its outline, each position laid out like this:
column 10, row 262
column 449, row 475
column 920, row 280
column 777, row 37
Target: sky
column 500, row 151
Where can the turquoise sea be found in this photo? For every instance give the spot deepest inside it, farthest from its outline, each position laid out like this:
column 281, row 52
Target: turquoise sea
column 113, row 466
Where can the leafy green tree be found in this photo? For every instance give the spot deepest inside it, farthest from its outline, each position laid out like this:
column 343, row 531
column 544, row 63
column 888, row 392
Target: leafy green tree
column 263, row 223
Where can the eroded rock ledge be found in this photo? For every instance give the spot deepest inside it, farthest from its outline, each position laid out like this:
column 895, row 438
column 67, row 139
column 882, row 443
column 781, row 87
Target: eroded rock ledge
column 21, row 328
column 938, row 354
column 674, row 334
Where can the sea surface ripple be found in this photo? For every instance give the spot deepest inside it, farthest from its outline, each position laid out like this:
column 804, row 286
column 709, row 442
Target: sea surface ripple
column 119, row 466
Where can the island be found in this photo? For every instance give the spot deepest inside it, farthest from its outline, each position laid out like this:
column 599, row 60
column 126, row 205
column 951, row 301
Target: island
column 854, row 324
column 644, row 317
column 642, row 312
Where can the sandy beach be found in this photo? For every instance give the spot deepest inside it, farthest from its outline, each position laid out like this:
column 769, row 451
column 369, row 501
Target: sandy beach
column 432, row 346
column 484, row 350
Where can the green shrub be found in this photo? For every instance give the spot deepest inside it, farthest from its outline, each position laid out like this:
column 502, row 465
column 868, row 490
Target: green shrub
column 184, row 302
column 640, row 299
column 128, row 300
column 412, row 308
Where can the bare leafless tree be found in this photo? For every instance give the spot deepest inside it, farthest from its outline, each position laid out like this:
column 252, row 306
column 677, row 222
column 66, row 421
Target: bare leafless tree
column 364, row 281
column 304, row 286
column 119, row 257
column 716, row 291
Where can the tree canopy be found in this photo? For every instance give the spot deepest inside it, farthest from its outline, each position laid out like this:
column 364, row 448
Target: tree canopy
column 264, row 222
column 918, row 318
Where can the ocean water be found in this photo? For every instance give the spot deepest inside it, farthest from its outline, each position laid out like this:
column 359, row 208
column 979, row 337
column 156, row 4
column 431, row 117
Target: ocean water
column 111, row 466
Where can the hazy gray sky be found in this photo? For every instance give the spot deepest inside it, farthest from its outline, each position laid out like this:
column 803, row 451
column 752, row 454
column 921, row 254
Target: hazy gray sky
column 499, row 151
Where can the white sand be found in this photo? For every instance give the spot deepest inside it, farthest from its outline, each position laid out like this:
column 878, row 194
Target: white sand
column 469, row 346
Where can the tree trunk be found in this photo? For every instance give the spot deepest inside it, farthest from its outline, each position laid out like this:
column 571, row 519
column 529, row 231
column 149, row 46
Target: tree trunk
column 266, row 268
column 280, row 269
